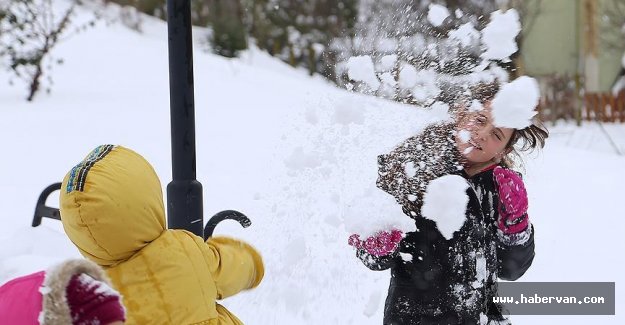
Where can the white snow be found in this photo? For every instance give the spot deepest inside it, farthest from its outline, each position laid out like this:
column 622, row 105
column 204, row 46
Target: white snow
column 407, row 76
column 464, row 135
column 514, row 105
column 360, row 68
column 445, row 202
column 476, row 106
column 387, row 62
column 101, row 288
column 388, row 79
column 499, row 34
column 425, row 87
column 437, row 14
column 373, row 304
column 254, row 114
column 44, row 290
column 466, row 34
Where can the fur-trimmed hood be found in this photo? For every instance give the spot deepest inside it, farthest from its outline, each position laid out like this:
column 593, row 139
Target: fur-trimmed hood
column 55, row 309
column 40, row 298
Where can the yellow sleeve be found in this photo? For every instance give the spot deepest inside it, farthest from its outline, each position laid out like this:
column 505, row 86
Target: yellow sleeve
column 225, row 316
column 234, row 264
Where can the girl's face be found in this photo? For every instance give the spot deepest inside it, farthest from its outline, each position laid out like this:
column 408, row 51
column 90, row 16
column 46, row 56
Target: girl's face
column 478, row 140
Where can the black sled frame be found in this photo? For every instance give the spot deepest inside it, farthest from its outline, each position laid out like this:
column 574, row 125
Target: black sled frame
column 44, row 211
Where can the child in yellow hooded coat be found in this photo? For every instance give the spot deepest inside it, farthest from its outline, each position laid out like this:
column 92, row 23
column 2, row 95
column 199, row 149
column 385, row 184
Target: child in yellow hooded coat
column 112, row 210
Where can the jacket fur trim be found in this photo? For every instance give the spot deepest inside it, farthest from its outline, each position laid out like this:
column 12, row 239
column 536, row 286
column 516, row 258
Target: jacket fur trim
column 55, row 309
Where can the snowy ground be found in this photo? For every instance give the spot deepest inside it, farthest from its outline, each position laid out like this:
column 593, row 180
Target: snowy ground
column 295, row 154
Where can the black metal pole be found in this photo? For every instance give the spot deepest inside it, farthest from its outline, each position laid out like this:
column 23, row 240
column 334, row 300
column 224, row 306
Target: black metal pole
column 184, row 193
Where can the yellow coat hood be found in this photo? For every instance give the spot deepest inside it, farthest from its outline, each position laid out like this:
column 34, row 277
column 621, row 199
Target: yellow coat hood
column 99, row 209
column 112, row 209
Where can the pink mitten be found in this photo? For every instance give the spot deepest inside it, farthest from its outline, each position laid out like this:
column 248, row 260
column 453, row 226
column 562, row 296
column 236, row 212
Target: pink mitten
column 512, row 201
column 382, row 243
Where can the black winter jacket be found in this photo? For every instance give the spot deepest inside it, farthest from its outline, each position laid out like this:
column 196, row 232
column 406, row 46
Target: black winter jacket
column 440, row 281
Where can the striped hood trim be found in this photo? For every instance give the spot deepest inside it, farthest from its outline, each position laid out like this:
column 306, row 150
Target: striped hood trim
column 78, row 174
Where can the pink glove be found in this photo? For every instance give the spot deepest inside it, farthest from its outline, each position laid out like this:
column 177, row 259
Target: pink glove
column 382, row 243
column 512, row 201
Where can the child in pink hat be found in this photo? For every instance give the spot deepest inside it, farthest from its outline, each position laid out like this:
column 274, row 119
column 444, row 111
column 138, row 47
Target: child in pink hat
column 75, row 292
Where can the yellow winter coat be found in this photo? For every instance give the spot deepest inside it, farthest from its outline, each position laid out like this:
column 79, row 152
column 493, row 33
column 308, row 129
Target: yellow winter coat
column 112, row 209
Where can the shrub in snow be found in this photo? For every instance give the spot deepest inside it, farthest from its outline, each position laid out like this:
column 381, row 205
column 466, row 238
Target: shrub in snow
column 29, row 31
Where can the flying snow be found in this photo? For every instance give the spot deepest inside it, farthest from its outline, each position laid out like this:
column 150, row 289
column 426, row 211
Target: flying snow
column 498, row 36
column 514, row 104
column 360, row 68
column 387, row 62
column 437, row 14
column 465, row 34
column 445, row 202
column 407, row 76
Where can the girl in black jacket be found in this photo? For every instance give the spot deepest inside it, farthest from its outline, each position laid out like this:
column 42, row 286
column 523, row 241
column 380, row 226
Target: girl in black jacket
column 440, row 281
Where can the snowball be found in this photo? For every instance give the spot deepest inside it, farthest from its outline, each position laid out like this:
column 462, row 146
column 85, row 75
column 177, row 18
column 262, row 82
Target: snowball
column 360, row 68
column 407, row 76
column 445, row 202
column 465, row 34
column 387, row 62
column 514, row 104
column 498, row 36
column 437, row 14
column 388, row 79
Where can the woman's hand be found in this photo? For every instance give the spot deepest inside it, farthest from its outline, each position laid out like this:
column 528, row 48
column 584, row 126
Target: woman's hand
column 382, row 243
column 512, row 201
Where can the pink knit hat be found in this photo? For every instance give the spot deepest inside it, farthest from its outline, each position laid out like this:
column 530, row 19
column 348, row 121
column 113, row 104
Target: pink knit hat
column 93, row 302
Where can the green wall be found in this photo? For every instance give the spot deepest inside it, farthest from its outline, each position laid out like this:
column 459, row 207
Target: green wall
column 553, row 41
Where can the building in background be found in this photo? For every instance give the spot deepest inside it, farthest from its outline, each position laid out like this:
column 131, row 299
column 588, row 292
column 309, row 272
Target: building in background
column 572, row 46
